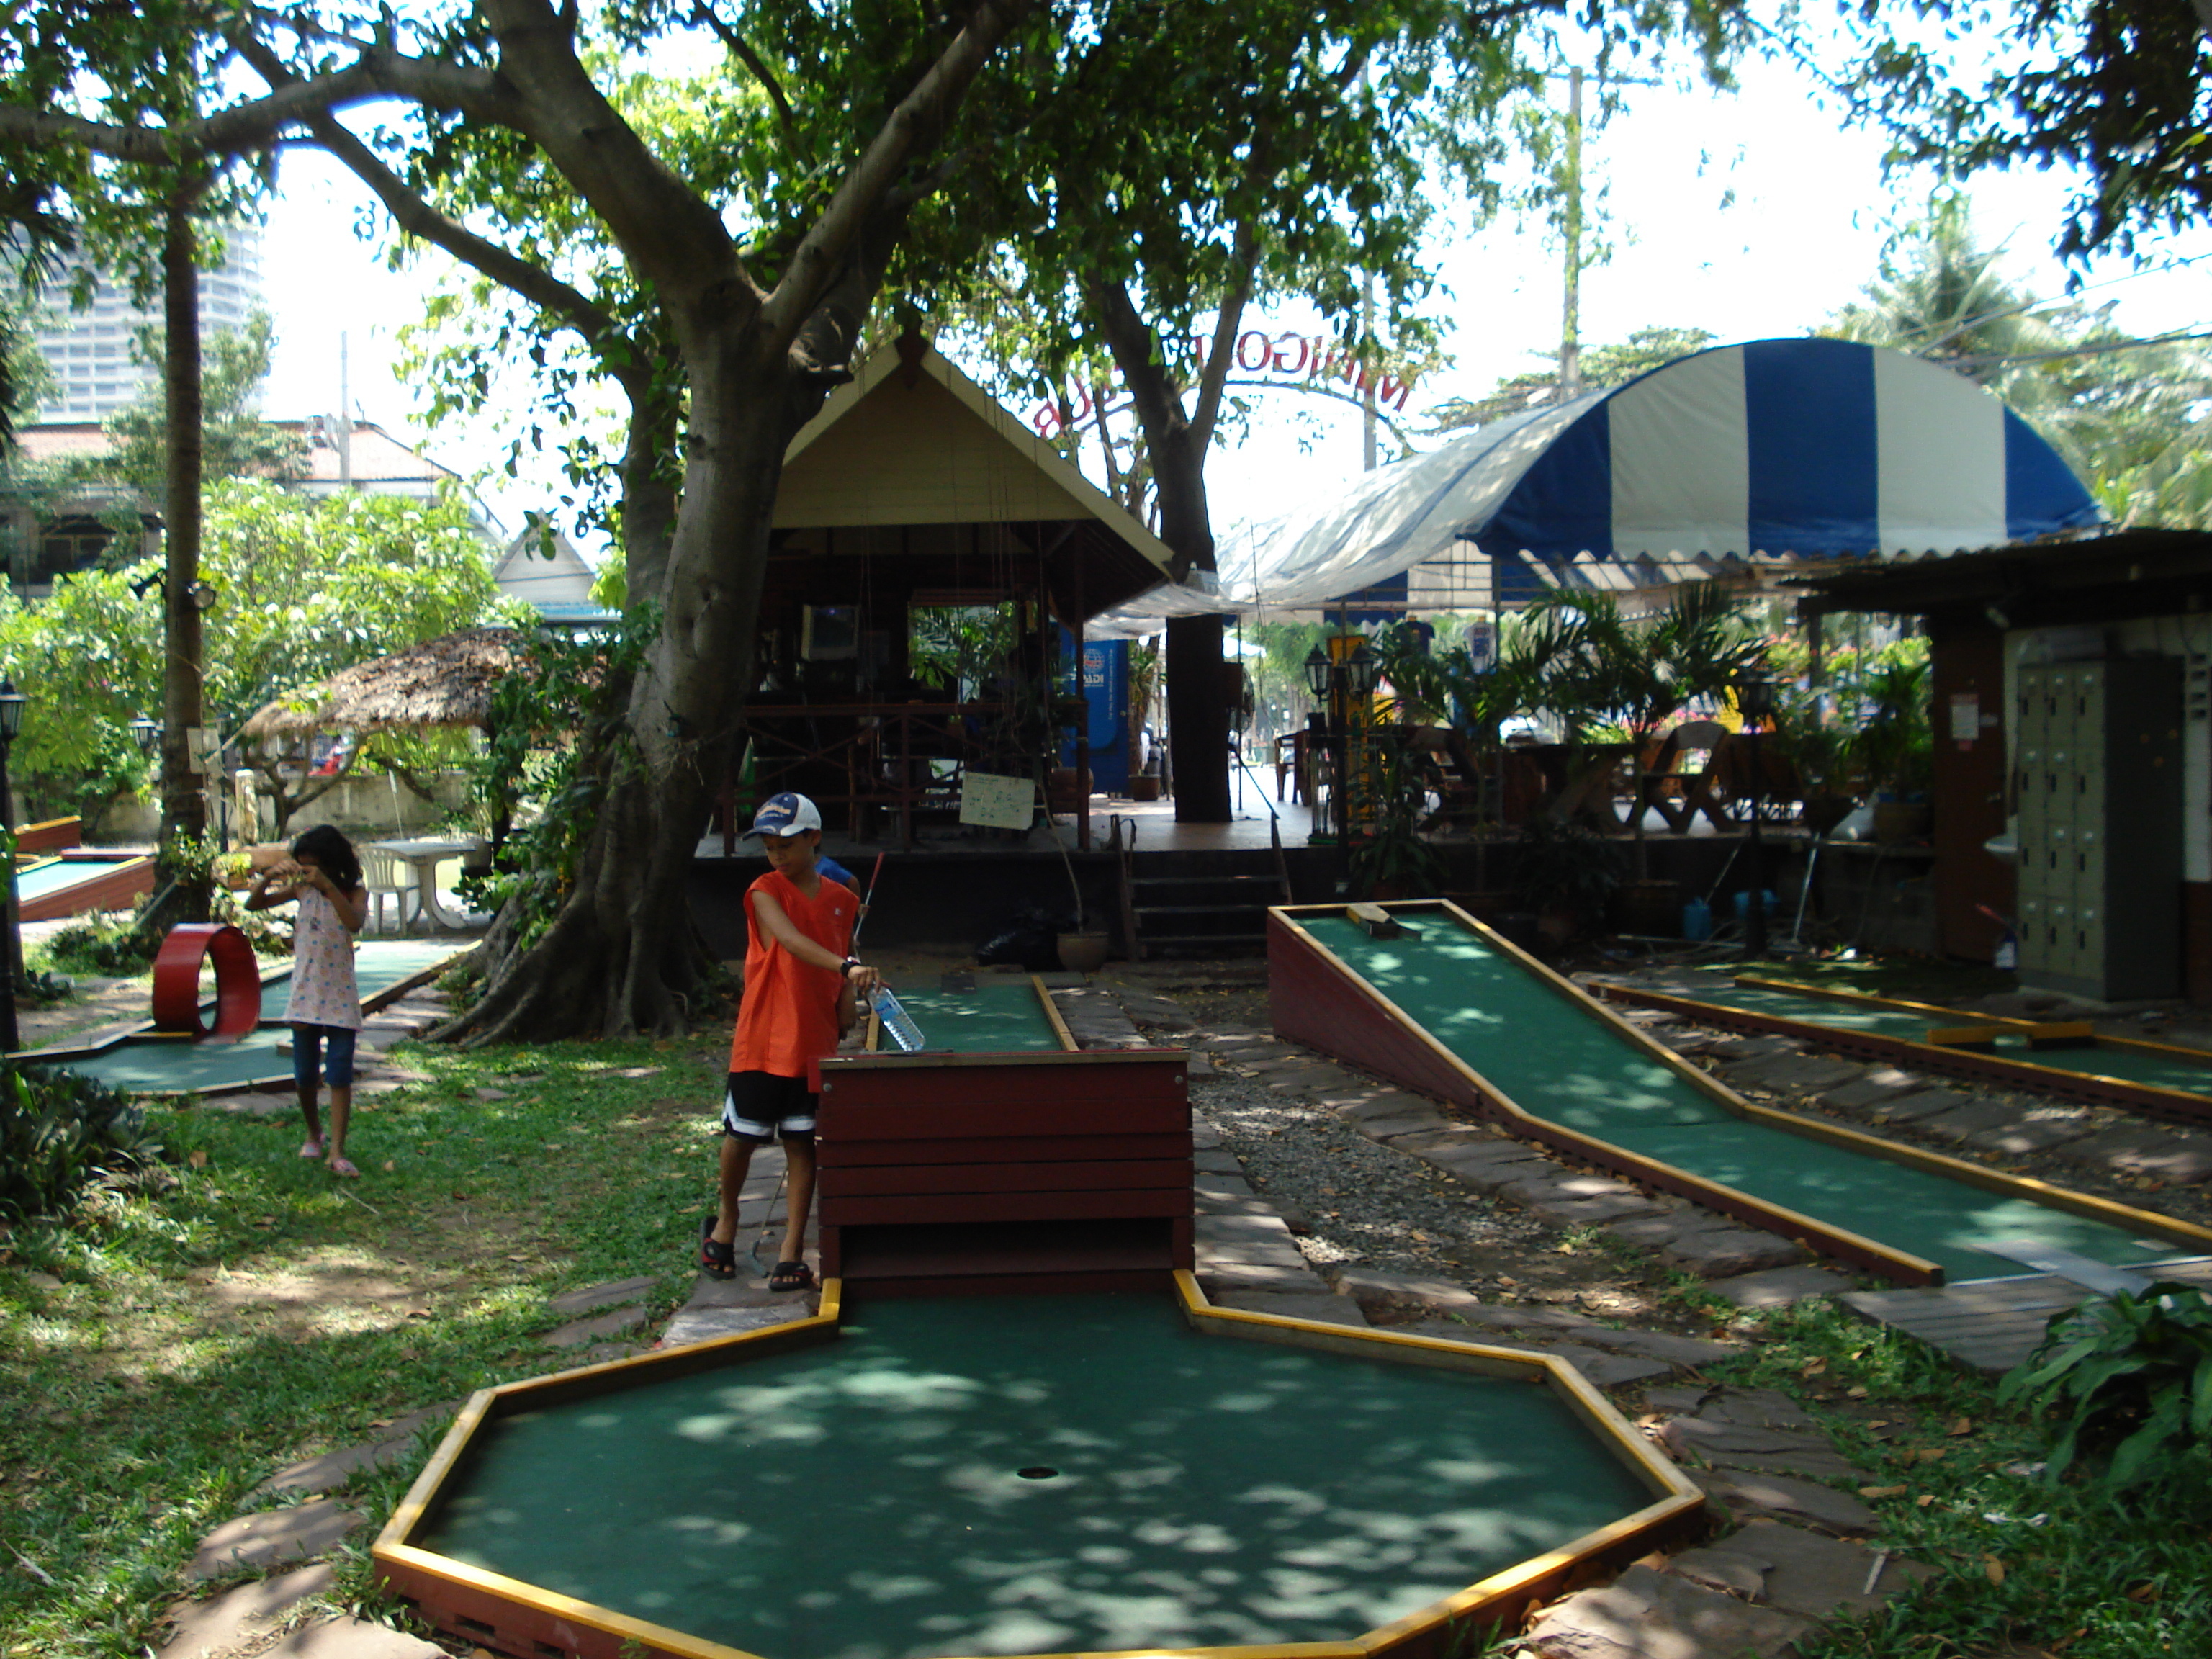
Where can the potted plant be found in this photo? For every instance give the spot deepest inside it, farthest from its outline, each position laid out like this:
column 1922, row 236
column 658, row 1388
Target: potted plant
column 1894, row 745
column 1391, row 859
column 1566, row 874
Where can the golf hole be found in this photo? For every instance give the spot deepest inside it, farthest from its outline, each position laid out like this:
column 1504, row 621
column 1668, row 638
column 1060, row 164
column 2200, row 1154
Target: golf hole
column 1038, row 1471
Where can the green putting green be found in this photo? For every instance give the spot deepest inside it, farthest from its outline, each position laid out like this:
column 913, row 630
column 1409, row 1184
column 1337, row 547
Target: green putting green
column 990, row 1019
column 171, row 1066
column 1033, row 1474
column 1557, row 1060
column 49, row 876
column 2129, row 1065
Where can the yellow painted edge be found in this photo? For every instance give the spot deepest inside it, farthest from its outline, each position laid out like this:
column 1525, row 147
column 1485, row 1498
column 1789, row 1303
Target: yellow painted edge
column 1591, row 1146
column 1675, row 1493
column 553, row 1604
column 408, row 1513
column 1472, row 1600
column 2136, row 1045
column 1974, row 1175
column 1067, row 1042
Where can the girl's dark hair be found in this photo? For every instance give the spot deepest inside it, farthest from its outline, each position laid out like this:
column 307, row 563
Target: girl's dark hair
column 334, row 852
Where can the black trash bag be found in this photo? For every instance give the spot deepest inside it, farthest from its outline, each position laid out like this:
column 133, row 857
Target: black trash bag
column 1031, row 942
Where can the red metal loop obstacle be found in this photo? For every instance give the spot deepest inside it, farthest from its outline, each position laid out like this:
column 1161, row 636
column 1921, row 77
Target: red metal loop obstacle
column 177, row 981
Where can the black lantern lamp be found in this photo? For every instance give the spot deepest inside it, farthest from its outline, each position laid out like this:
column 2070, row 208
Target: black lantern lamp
column 1754, row 701
column 148, row 734
column 12, row 704
column 1361, row 672
column 1317, row 666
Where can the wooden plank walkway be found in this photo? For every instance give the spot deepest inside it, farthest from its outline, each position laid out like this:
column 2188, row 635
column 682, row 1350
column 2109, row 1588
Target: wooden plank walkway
column 1993, row 1324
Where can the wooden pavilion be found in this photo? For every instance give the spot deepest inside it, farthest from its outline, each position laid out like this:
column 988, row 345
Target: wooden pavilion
column 914, row 489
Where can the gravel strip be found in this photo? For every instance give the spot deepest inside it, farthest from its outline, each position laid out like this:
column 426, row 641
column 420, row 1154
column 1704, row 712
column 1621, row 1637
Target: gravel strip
column 1366, row 1204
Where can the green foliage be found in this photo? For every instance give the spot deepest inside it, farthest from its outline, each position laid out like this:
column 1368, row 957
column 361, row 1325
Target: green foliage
column 556, row 742
column 1389, row 802
column 58, row 1133
column 235, row 442
column 960, row 647
column 2109, row 90
column 113, row 948
column 2132, row 1373
column 303, row 588
column 1566, row 867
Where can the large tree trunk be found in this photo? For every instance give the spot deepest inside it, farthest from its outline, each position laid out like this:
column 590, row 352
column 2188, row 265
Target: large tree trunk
column 182, row 883
column 621, row 958
column 1198, row 699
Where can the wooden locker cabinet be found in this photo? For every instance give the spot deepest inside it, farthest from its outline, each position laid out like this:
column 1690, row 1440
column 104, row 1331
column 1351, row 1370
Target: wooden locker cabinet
column 2098, row 782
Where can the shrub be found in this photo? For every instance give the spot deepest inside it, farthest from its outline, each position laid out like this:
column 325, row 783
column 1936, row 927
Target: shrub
column 59, row 1133
column 2136, row 1372
column 112, row 948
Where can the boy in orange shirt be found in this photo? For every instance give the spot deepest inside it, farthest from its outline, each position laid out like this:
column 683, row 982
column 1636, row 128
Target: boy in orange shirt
column 802, row 990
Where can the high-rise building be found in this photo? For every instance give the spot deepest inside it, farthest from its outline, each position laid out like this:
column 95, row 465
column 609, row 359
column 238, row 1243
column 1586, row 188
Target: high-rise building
column 95, row 375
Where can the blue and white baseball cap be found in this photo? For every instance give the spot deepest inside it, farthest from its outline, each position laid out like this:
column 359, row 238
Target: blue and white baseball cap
column 785, row 815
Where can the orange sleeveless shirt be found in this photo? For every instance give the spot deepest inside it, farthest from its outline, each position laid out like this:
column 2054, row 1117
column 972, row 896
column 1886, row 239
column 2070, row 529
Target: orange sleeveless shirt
column 789, row 1018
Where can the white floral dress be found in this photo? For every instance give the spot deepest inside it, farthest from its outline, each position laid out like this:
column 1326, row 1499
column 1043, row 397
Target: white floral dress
column 323, row 989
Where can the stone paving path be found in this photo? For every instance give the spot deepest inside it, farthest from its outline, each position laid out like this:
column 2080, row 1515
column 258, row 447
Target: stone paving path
column 1794, row 1558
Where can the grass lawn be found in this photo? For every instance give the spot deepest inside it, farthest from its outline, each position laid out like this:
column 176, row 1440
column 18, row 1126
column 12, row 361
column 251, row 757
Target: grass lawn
column 2024, row 1570
column 166, row 1349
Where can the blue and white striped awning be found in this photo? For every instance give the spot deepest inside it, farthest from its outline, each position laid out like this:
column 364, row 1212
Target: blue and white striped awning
column 1811, row 448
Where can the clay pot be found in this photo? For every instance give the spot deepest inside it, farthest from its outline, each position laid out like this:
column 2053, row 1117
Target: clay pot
column 1083, row 953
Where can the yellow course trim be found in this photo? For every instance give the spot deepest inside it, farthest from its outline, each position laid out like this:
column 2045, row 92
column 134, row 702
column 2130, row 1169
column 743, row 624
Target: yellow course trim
column 1052, row 1013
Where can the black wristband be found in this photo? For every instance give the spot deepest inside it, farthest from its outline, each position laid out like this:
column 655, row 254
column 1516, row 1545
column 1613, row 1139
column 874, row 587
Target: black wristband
column 845, row 968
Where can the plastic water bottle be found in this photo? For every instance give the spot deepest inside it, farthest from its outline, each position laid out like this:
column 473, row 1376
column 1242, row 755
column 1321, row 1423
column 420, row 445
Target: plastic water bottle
column 898, row 1025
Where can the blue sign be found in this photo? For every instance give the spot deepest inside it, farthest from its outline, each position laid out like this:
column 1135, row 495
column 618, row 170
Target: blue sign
column 1106, row 684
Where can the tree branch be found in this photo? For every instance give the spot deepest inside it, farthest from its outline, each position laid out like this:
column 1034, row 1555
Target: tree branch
column 911, row 129
column 761, row 72
column 674, row 239
column 417, row 217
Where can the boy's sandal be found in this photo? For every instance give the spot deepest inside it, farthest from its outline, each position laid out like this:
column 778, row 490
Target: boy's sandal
column 716, row 1259
column 342, row 1167
column 791, row 1276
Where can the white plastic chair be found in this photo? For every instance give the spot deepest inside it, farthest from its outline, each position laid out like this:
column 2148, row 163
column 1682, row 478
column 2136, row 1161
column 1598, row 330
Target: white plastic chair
column 387, row 875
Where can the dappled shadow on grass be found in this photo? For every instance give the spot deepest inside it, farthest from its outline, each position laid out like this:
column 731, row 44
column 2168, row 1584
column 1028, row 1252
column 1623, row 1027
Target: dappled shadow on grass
column 259, row 1311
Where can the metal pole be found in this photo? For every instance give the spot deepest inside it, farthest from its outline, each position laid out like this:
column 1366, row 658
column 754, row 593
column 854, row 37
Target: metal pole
column 11, row 1039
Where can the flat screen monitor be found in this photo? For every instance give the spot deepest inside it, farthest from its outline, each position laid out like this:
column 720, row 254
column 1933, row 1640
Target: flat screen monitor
column 829, row 633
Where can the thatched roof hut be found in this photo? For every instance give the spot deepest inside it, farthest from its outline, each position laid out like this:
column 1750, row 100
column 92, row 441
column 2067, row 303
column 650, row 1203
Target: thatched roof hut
column 442, row 681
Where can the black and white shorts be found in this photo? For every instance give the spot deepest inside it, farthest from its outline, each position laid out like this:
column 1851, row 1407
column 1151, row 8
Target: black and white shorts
column 763, row 1107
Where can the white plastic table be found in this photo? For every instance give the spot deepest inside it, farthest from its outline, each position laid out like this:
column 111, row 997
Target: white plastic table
column 425, row 857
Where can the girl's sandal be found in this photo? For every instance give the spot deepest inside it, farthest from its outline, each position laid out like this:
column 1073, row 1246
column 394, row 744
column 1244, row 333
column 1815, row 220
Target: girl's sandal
column 343, row 1168
column 311, row 1149
column 716, row 1259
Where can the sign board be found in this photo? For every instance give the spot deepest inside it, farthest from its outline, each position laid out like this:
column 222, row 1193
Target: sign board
column 996, row 802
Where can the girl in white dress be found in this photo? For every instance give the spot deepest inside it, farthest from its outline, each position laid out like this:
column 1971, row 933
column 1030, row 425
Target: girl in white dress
column 325, row 875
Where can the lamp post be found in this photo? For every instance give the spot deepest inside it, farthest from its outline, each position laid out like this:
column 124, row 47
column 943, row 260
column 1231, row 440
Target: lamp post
column 12, row 704
column 1754, row 701
column 1319, row 674
column 1360, row 671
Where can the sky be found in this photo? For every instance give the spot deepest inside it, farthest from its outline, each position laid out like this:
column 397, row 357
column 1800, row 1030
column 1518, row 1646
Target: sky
column 1751, row 215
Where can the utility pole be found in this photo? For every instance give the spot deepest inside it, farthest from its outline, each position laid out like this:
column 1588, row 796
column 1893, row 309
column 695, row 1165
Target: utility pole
column 1570, row 350
column 1571, row 225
